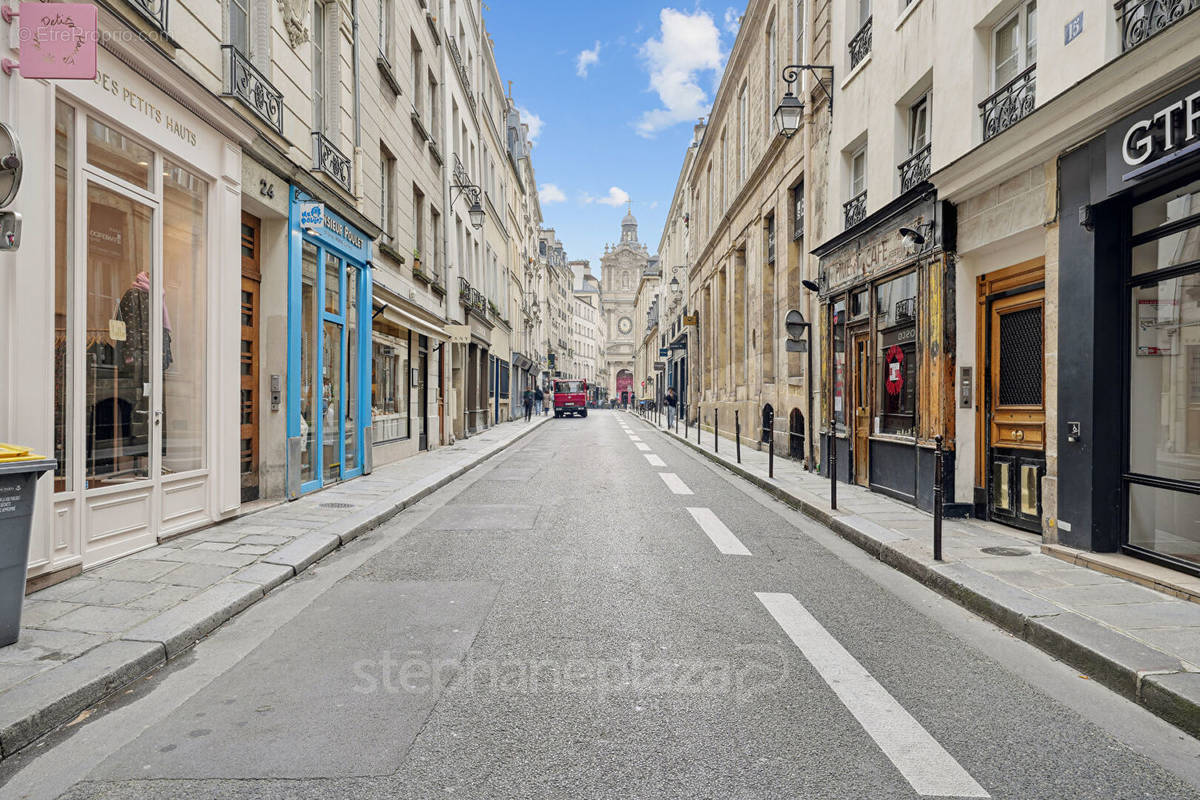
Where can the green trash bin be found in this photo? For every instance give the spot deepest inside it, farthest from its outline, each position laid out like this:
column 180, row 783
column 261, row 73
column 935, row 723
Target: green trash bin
column 19, row 473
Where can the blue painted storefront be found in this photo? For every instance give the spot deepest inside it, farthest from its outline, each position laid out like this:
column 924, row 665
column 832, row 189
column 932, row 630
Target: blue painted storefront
column 329, row 349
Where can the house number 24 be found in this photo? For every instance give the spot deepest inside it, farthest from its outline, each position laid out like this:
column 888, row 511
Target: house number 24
column 266, row 189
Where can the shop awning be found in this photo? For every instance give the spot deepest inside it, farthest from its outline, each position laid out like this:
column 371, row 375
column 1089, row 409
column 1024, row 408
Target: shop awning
column 413, row 322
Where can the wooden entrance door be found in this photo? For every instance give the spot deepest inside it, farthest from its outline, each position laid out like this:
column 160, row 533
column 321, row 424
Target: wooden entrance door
column 1016, row 413
column 251, row 283
column 862, row 406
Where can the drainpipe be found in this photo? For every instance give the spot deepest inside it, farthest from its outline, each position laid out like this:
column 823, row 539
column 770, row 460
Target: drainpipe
column 808, row 298
column 357, row 91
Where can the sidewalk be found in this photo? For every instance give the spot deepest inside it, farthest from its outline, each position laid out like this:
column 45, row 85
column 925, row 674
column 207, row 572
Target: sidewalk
column 1141, row 643
column 84, row 638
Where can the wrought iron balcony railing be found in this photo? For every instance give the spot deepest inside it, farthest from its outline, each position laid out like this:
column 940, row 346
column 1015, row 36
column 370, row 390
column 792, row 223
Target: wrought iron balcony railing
column 860, row 45
column 915, row 169
column 855, row 210
column 1011, row 104
column 153, row 11
column 462, row 69
column 328, row 159
column 1139, row 20
column 472, row 298
column 251, row 88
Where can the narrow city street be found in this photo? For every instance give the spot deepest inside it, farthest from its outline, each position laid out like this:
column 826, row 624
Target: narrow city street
column 598, row 612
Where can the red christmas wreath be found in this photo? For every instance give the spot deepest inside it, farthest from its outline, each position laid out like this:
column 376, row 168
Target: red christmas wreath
column 895, row 370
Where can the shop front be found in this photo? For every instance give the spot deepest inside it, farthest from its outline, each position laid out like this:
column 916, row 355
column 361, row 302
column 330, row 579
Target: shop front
column 1129, row 398
column 329, row 347
column 117, row 309
column 884, row 297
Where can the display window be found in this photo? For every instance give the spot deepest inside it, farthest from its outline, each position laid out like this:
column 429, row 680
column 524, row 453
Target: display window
column 390, row 390
column 896, row 326
column 1163, row 477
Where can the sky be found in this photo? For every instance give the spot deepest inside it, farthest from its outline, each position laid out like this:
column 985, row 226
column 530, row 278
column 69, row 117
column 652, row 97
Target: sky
column 611, row 92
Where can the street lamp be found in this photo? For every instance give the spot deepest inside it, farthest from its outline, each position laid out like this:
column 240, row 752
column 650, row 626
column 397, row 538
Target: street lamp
column 790, row 112
column 476, row 212
column 674, row 285
column 812, row 286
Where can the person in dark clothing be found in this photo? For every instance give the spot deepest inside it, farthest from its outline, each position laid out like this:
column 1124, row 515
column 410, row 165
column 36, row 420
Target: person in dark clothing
column 527, row 399
column 539, row 399
column 671, row 402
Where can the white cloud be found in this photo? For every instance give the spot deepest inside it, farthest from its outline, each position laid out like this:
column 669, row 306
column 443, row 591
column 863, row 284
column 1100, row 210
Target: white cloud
column 733, row 20
column 616, row 197
column 549, row 193
column 687, row 45
column 586, row 59
column 534, row 122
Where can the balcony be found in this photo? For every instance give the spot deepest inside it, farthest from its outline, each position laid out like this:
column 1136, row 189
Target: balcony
column 462, row 70
column 153, row 11
column 855, row 210
column 915, row 170
column 1013, row 103
column 860, row 45
column 244, row 82
column 472, row 299
column 1140, row 20
column 328, row 159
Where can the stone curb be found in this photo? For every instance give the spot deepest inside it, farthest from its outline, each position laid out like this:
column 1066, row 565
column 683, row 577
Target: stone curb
column 1154, row 680
column 44, row 702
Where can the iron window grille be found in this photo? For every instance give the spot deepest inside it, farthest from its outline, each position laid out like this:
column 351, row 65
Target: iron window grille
column 855, row 210
column 244, row 82
column 915, row 169
column 329, row 159
column 860, row 45
column 1011, row 104
column 153, row 11
column 1140, row 20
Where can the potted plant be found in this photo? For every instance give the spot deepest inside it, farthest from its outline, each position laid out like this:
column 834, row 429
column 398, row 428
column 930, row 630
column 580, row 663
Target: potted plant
column 416, row 253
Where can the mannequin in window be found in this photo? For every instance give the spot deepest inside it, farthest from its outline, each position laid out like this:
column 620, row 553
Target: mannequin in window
column 134, row 356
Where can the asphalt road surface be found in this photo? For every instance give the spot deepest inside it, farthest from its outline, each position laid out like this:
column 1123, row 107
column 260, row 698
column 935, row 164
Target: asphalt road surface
column 599, row 613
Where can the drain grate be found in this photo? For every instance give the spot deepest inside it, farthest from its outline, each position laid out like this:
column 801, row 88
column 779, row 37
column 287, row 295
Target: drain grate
column 1005, row 551
column 337, row 505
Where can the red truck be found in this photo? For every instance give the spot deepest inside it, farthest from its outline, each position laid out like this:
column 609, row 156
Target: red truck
column 570, row 397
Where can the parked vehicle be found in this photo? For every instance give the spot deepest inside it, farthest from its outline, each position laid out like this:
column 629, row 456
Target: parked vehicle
column 570, row 397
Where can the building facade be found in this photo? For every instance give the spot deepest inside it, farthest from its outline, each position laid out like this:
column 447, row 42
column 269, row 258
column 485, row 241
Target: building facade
column 621, row 268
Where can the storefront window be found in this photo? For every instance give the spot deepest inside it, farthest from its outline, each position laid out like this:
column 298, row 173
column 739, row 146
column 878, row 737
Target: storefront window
column 115, row 153
column 839, row 364
column 895, row 320
column 1164, row 423
column 64, row 239
column 350, row 391
column 184, row 315
column 119, row 337
column 308, row 371
column 331, row 405
column 389, row 393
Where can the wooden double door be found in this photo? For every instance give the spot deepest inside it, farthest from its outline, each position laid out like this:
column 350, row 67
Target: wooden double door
column 249, row 389
column 1015, row 405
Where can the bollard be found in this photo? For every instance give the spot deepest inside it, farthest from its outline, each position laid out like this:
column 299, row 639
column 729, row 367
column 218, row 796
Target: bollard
column 937, row 498
column 716, row 441
column 698, row 426
column 771, row 457
column 833, row 463
column 687, row 428
column 737, row 434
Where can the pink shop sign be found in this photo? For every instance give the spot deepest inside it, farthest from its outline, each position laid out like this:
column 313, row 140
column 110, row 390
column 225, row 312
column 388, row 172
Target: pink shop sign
column 58, row 40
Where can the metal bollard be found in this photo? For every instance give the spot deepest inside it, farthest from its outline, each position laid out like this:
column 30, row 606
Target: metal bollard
column 937, row 498
column 716, row 441
column 833, row 463
column 687, row 428
column 698, row 426
column 737, row 434
column 771, row 457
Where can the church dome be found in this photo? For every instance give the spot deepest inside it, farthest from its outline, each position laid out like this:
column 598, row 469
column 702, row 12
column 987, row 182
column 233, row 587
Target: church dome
column 629, row 220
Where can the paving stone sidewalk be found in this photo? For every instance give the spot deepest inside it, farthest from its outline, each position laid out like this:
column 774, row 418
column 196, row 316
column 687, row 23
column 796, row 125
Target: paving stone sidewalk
column 88, row 636
column 1137, row 641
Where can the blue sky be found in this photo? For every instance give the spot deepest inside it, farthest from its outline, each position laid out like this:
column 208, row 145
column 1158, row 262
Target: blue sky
column 613, row 90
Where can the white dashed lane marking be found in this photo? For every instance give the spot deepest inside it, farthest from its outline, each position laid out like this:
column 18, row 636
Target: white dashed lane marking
column 925, row 764
column 674, row 483
column 721, row 536
column 642, row 446
column 655, row 461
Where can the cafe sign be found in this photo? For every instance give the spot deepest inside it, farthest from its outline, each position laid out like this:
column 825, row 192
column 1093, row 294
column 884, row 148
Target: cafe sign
column 1153, row 138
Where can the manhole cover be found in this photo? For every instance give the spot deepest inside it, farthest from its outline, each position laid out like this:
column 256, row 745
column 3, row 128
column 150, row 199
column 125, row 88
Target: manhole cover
column 1005, row 551
column 337, row 505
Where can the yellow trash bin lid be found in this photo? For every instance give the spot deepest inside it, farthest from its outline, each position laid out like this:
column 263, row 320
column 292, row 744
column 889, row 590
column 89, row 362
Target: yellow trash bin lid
column 10, row 453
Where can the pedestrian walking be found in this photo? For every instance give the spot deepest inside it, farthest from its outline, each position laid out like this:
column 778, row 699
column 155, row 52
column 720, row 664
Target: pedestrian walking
column 539, row 400
column 527, row 399
column 671, row 402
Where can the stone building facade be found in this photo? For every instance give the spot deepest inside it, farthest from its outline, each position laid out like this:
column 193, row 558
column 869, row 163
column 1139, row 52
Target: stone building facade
column 621, row 269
